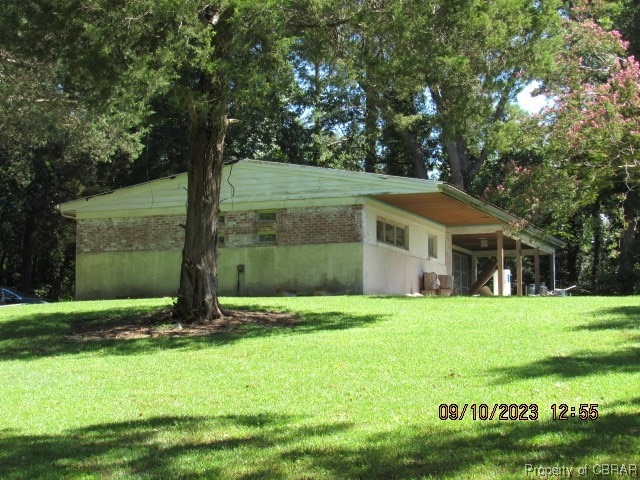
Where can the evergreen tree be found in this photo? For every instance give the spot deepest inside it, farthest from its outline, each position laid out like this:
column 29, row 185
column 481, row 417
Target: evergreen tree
column 117, row 56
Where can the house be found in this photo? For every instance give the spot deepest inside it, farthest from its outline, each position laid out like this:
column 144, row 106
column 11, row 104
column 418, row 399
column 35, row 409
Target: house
column 287, row 227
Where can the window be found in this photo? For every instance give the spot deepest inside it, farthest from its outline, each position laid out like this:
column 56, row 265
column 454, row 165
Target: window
column 433, row 246
column 221, row 219
column 266, row 216
column 391, row 234
column 267, row 238
column 461, row 272
column 266, row 234
column 220, row 240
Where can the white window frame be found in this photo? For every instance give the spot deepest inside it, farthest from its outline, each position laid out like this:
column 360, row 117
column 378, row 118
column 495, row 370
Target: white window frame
column 388, row 224
column 432, row 246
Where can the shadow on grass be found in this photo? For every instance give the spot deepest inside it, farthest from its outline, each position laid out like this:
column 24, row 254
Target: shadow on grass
column 279, row 446
column 576, row 365
column 626, row 320
column 51, row 334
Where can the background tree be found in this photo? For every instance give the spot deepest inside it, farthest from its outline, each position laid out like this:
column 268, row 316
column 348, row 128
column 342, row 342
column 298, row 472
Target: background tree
column 424, row 89
column 432, row 81
column 119, row 56
column 50, row 147
column 588, row 171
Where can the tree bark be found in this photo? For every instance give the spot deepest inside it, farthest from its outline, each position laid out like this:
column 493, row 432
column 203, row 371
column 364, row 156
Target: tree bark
column 198, row 292
column 415, row 152
column 626, row 273
column 28, row 238
column 458, row 161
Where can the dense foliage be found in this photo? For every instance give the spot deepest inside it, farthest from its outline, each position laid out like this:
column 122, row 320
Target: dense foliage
column 101, row 94
column 581, row 174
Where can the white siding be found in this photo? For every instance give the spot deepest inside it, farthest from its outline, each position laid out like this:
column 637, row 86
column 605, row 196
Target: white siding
column 393, row 270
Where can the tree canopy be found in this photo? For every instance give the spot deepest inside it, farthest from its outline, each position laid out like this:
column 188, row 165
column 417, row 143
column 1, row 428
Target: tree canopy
column 103, row 93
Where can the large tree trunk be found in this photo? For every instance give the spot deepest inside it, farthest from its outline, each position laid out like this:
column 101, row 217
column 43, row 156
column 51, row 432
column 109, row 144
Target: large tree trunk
column 626, row 271
column 413, row 147
column 463, row 166
column 415, row 152
column 28, row 238
column 458, row 161
column 198, row 292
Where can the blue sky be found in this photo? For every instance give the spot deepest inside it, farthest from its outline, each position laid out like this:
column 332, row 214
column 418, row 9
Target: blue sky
column 529, row 103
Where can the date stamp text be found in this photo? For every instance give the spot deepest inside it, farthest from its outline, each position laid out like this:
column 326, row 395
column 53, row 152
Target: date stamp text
column 515, row 411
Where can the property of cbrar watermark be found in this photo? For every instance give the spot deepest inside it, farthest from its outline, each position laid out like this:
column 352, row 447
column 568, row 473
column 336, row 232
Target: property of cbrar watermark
column 548, row 471
column 594, row 470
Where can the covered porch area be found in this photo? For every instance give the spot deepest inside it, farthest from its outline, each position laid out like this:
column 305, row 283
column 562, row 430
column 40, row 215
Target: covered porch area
column 477, row 231
column 495, row 246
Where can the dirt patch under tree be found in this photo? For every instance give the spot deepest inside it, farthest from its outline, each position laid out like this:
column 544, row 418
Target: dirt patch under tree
column 160, row 323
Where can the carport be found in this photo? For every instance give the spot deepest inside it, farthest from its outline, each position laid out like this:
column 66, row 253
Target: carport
column 477, row 230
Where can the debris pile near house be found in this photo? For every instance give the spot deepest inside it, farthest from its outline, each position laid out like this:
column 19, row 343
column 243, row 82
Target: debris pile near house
column 437, row 285
column 562, row 292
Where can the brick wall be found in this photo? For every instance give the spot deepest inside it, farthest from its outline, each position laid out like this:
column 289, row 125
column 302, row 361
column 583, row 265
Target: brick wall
column 305, row 226
column 293, row 226
column 161, row 232
column 239, row 229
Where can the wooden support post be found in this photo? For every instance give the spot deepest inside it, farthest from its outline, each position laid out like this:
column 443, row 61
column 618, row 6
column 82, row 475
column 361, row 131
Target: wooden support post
column 474, row 268
column 536, row 268
column 500, row 259
column 448, row 240
column 552, row 280
column 519, row 268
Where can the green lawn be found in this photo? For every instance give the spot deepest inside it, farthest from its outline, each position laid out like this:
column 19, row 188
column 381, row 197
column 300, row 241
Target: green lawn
column 352, row 391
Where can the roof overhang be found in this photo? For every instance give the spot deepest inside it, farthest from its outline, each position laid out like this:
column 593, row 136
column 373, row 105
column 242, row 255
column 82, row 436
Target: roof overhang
column 439, row 207
column 473, row 223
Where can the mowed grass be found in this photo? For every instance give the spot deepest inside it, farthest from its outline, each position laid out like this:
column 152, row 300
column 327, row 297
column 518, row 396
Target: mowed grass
column 351, row 391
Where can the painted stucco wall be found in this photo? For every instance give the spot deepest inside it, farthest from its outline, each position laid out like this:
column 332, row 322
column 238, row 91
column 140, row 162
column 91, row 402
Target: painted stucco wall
column 300, row 268
column 297, row 268
column 127, row 274
column 139, row 256
column 393, row 270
